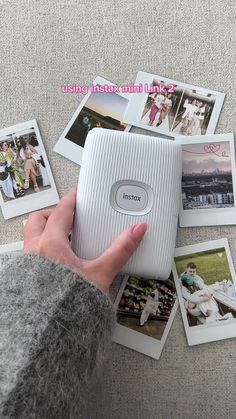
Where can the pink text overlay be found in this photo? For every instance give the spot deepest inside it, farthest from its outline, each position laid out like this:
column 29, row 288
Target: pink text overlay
column 124, row 88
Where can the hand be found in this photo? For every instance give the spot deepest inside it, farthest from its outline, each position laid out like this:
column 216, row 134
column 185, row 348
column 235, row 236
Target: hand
column 46, row 233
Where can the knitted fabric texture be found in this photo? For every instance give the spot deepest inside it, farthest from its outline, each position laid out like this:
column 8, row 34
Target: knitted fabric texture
column 55, row 327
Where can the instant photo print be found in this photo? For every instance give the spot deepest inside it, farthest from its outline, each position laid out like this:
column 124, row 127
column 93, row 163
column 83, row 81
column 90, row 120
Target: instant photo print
column 206, row 286
column 145, row 312
column 127, row 179
column 103, row 110
column 208, row 180
column 26, row 180
column 173, row 108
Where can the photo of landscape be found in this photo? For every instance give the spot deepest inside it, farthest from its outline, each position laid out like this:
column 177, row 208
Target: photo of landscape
column 207, row 176
column 102, row 110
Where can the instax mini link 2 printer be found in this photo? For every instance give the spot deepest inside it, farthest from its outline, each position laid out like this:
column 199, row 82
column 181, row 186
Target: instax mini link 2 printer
column 126, row 179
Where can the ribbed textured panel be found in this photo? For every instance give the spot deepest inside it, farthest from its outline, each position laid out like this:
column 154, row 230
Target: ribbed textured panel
column 110, row 156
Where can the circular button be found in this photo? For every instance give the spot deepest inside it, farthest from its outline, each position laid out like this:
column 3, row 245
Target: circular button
column 131, row 197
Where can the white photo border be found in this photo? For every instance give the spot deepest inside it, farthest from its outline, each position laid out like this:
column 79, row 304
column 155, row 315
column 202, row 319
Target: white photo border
column 67, row 148
column 138, row 341
column 33, row 201
column 206, row 333
column 11, row 247
column 134, row 110
column 211, row 216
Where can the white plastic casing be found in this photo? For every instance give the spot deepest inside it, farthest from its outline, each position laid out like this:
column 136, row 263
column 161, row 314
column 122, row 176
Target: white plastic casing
column 126, row 179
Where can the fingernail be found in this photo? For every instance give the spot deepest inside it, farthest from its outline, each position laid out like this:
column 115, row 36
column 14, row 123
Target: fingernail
column 139, row 230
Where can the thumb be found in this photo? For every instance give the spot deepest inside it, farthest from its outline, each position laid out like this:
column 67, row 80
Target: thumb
column 122, row 248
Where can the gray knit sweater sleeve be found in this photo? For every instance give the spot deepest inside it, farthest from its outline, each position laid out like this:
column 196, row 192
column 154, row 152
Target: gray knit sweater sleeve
column 54, row 328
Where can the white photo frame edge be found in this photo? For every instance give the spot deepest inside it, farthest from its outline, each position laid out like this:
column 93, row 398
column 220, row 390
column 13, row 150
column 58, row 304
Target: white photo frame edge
column 11, row 247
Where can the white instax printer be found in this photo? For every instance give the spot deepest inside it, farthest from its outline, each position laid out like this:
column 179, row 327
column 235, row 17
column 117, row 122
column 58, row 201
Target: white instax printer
column 126, row 179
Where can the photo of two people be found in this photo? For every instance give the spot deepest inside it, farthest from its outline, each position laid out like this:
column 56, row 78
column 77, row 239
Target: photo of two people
column 22, row 166
column 207, row 288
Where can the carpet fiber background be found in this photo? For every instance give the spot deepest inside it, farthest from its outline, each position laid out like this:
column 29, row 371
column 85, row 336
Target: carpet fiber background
column 47, row 44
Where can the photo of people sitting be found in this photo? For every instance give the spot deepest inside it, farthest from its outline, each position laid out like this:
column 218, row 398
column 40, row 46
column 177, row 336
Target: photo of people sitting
column 207, row 303
column 181, row 111
column 22, row 167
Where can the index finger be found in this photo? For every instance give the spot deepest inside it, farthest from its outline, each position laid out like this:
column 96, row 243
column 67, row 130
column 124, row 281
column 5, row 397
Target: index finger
column 36, row 223
column 63, row 215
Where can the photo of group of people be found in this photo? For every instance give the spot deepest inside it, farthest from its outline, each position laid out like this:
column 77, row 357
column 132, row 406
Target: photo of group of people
column 26, row 181
column 205, row 281
column 184, row 112
column 22, row 167
column 97, row 110
column 173, row 108
column 146, row 307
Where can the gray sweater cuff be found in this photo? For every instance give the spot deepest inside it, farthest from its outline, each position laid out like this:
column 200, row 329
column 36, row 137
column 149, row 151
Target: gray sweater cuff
column 55, row 327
